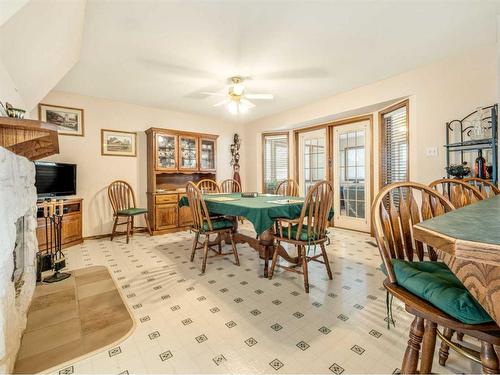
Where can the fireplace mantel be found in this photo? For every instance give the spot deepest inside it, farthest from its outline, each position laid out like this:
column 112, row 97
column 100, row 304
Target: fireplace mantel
column 32, row 139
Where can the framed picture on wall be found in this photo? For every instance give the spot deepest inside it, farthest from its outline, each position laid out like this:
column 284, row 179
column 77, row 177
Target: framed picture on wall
column 69, row 120
column 118, row 143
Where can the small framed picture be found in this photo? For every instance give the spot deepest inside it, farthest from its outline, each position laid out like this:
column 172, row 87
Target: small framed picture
column 118, row 143
column 69, row 121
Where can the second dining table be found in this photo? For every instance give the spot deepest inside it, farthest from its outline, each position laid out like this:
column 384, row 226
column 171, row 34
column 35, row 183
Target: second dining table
column 262, row 211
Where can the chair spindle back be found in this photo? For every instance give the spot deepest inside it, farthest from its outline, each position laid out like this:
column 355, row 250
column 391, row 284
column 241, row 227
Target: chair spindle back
column 230, row 186
column 487, row 188
column 395, row 210
column 458, row 192
column 121, row 195
column 208, row 186
column 198, row 207
column 315, row 211
column 288, row 188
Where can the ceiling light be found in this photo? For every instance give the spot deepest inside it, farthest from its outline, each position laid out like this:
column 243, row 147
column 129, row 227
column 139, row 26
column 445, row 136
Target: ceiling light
column 238, row 89
column 233, row 107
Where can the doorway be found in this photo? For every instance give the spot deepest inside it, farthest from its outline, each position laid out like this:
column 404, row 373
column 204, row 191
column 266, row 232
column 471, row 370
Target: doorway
column 351, row 171
column 312, row 158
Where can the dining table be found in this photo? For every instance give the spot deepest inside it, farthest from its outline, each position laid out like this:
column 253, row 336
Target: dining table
column 468, row 240
column 262, row 210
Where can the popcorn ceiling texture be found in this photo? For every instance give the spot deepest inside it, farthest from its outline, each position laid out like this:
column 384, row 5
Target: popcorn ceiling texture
column 17, row 199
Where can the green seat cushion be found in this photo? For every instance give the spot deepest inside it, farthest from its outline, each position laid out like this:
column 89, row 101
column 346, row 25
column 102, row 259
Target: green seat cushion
column 303, row 233
column 438, row 285
column 220, row 223
column 132, row 211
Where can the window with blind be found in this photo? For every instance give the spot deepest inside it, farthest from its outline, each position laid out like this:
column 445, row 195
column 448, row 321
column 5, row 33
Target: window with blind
column 275, row 160
column 394, row 144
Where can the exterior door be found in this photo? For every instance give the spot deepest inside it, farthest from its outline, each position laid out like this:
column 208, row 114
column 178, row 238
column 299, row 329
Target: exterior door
column 312, row 159
column 351, row 175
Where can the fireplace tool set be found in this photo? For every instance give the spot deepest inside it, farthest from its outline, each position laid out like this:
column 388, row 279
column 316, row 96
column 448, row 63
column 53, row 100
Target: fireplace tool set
column 52, row 257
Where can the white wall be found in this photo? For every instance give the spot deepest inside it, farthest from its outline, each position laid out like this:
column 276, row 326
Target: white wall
column 8, row 89
column 438, row 92
column 95, row 171
column 39, row 44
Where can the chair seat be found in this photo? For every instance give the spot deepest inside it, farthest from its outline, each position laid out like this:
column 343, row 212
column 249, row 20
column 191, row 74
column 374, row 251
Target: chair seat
column 435, row 283
column 303, row 233
column 132, row 211
column 218, row 224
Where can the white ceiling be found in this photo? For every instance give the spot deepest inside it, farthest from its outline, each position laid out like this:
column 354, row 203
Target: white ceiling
column 163, row 53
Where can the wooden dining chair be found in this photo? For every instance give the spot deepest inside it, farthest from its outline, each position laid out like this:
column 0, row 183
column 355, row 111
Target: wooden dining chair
column 230, row 186
column 288, row 188
column 487, row 188
column 458, row 192
column 427, row 287
column 309, row 230
column 204, row 225
column 122, row 198
column 208, row 186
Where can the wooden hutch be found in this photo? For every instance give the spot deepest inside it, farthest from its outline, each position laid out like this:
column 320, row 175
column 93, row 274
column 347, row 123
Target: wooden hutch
column 174, row 158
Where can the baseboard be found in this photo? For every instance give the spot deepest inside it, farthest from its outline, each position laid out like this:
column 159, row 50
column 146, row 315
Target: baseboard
column 98, row 236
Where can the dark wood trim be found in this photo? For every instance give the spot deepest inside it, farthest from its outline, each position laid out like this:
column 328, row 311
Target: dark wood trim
column 270, row 134
column 381, row 144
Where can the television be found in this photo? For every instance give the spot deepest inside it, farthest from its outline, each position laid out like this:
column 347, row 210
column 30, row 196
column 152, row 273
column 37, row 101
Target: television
column 55, row 179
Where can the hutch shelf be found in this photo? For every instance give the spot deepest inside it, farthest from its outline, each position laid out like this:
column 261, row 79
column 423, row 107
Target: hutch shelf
column 174, row 158
column 476, row 131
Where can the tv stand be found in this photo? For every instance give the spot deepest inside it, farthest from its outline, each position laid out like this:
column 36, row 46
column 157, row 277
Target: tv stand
column 71, row 224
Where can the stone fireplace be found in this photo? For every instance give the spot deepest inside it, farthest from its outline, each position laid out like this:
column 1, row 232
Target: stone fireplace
column 18, row 246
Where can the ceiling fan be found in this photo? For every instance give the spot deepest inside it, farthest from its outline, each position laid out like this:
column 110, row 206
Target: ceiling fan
column 237, row 99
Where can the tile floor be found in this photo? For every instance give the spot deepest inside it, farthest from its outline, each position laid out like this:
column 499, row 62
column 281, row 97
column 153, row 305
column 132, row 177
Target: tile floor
column 232, row 320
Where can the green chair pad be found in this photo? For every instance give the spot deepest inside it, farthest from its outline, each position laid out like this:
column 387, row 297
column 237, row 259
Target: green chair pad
column 303, row 233
column 220, row 223
column 132, row 211
column 435, row 283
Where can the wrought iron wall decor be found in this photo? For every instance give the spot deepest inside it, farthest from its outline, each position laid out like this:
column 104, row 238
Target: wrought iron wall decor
column 235, row 157
column 476, row 131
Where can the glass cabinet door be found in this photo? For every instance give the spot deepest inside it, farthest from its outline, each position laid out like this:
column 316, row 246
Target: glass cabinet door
column 188, row 152
column 166, row 155
column 207, row 154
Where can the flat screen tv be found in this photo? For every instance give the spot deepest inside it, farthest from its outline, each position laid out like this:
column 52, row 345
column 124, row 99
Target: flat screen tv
column 55, row 179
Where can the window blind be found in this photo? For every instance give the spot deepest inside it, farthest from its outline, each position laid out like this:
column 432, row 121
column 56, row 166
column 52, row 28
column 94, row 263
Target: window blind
column 275, row 161
column 395, row 146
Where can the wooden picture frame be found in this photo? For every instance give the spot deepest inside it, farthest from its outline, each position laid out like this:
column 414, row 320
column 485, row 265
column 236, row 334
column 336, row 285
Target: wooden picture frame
column 118, row 143
column 69, row 121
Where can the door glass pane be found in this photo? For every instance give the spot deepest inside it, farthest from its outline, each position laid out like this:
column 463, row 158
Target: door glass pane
column 165, row 146
column 314, row 161
column 188, row 152
column 351, row 158
column 207, row 154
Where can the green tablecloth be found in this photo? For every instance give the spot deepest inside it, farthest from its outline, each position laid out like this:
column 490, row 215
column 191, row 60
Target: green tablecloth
column 260, row 211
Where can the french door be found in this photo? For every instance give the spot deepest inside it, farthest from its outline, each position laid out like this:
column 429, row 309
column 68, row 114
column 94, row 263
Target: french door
column 351, row 175
column 312, row 159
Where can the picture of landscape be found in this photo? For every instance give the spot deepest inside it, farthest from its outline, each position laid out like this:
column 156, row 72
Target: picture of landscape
column 118, row 143
column 69, row 121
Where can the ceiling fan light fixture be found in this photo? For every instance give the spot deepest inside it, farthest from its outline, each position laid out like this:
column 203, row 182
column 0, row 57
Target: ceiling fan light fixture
column 233, row 107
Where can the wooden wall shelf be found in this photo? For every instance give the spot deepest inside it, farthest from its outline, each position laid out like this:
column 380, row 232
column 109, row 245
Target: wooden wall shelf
column 32, row 139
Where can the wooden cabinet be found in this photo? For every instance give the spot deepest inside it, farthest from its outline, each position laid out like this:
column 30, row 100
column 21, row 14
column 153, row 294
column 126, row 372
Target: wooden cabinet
column 166, row 152
column 185, row 217
column 71, row 224
column 208, row 152
column 165, row 216
column 188, row 153
column 174, row 158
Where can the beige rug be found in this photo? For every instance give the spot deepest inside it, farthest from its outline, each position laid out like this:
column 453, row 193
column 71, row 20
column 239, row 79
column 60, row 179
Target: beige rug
column 72, row 318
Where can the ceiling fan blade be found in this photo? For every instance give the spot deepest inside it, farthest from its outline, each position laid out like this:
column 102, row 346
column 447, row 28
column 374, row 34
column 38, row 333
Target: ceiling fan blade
column 306, row 73
column 259, row 96
column 247, row 102
column 222, row 102
column 213, row 93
